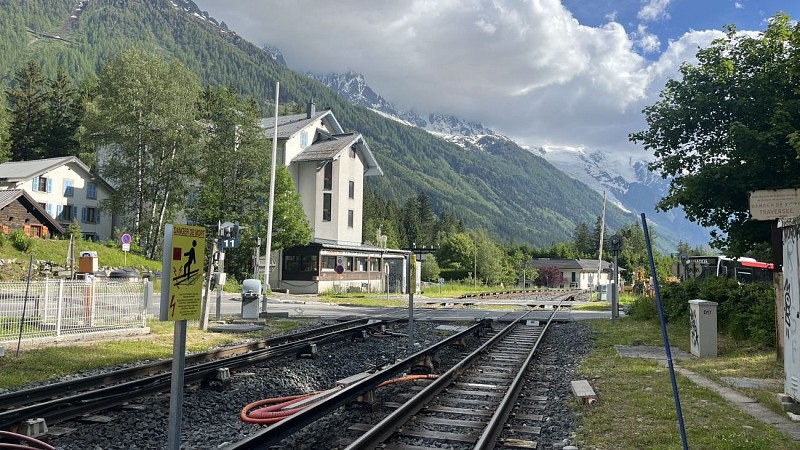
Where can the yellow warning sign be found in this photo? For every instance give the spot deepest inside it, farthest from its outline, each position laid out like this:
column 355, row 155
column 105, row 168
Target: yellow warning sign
column 186, row 273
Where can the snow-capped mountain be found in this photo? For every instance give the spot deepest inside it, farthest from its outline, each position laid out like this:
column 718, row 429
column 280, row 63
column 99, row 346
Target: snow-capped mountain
column 626, row 181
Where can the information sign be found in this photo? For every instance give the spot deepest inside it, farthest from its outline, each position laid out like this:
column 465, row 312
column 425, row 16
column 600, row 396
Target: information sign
column 693, row 269
column 186, row 270
column 774, row 204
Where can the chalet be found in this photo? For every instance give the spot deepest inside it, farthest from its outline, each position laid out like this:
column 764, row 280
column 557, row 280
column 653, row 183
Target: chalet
column 578, row 273
column 328, row 167
column 19, row 211
column 65, row 189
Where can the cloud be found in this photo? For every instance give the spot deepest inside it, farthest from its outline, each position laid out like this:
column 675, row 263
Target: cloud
column 648, row 42
column 739, row 5
column 526, row 69
column 653, row 10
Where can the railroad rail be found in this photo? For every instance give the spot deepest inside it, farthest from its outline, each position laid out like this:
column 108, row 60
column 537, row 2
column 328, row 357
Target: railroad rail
column 59, row 401
column 518, row 333
column 488, row 379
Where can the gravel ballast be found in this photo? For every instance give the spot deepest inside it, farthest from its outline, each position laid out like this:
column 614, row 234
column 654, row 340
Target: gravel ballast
column 211, row 417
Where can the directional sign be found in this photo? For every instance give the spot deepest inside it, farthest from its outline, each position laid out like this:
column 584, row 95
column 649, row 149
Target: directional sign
column 693, row 269
column 185, row 273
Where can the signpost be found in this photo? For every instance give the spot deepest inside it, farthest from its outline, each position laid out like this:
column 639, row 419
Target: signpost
column 774, row 204
column 126, row 247
column 693, row 269
column 181, row 300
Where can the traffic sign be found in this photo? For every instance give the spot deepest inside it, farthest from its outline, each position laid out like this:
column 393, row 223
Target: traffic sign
column 339, row 269
column 126, row 242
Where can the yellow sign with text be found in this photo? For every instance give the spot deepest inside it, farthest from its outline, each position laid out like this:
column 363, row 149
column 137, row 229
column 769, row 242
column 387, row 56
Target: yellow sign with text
column 186, row 273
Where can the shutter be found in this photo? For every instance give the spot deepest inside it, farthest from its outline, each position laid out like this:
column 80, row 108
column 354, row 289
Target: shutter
column 74, row 213
column 97, row 216
column 26, row 230
column 49, row 182
column 83, row 214
column 45, row 231
column 59, row 211
column 36, row 184
column 49, row 209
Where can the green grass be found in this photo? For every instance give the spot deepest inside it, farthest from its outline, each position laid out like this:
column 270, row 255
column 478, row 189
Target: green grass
column 636, row 409
column 52, row 362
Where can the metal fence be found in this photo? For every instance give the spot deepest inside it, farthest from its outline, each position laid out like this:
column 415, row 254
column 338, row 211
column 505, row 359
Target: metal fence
column 60, row 307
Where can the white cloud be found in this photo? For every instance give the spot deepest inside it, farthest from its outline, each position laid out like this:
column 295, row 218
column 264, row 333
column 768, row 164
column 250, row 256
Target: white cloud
column 653, row 10
column 526, row 69
column 739, row 5
column 648, row 42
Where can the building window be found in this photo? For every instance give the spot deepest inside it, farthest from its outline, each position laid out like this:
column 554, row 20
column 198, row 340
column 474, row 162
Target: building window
column 329, row 262
column 69, row 188
column 49, row 209
column 91, row 190
column 90, row 215
column 350, row 215
column 42, row 184
column 326, row 207
column 304, row 139
column 573, row 277
column 348, row 263
column 361, row 264
column 351, row 189
column 327, row 182
column 353, row 152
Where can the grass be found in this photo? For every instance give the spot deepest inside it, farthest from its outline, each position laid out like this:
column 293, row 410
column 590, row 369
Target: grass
column 636, row 409
column 53, row 362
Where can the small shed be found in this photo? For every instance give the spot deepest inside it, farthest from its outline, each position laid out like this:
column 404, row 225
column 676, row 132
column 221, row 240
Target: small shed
column 19, row 211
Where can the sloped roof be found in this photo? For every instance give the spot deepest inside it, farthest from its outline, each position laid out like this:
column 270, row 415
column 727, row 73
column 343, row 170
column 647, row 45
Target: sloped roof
column 15, row 171
column 329, row 148
column 7, row 196
column 292, row 124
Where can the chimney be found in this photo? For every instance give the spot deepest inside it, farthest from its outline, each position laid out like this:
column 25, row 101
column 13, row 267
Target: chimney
column 311, row 109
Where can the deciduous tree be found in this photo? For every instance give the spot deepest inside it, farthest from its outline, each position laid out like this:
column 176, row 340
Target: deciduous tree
column 729, row 125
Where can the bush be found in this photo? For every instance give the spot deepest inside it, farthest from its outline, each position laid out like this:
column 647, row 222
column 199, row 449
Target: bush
column 3, row 239
column 744, row 312
column 20, row 241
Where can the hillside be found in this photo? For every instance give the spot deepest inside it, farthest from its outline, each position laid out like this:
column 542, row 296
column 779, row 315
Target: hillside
column 510, row 192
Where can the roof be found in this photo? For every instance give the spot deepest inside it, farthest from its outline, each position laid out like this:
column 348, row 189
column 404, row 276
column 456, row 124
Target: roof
column 350, row 247
column 291, row 124
column 330, row 147
column 568, row 264
column 15, row 171
column 9, row 195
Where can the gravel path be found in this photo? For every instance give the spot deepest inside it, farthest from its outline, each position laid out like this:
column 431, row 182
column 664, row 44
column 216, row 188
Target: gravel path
column 211, row 418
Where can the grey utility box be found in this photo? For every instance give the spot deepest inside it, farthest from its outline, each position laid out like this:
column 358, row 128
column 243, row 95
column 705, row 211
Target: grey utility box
column 251, row 294
column 703, row 322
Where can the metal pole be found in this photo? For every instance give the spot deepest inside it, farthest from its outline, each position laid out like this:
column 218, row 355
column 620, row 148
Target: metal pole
column 176, row 385
column 615, row 291
column 24, row 305
column 207, row 293
column 220, row 284
column 411, row 285
column 600, row 257
column 664, row 333
column 273, row 163
column 475, row 268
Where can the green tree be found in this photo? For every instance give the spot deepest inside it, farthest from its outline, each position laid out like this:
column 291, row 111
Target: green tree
column 235, row 179
column 596, row 237
column 430, row 269
column 583, row 240
column 5, row 135
column 144, row 118
column 457, row 251
column 28, row 105
column 65, row 111
column 730, row 124
column 490, row 259
column 634, row 249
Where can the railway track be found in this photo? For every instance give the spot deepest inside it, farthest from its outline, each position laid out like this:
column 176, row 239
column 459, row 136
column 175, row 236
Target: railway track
column 69, row 399
column 476, row 397
column 478, row 394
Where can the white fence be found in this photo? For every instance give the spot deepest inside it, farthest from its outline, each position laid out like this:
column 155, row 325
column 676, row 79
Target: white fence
column 54, row 308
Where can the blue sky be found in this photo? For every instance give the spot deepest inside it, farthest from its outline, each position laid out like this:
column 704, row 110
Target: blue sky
column 547, row 73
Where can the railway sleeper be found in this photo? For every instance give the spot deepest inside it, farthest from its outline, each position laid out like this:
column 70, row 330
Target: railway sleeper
column 309, row 351
column 425, row 365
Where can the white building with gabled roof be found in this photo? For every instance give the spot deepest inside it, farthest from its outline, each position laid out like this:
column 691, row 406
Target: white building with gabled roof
column 66, row 189
column 328, row 167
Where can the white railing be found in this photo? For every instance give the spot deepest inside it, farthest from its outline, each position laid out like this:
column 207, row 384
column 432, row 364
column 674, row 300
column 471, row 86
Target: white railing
column 54, row 308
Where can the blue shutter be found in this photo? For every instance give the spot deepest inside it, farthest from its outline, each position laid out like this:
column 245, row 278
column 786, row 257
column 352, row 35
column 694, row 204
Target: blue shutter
column 59, row 211
column 49, row 183
column 49, row 209
column 36, row 183
column 74, row 213
column 83, row 214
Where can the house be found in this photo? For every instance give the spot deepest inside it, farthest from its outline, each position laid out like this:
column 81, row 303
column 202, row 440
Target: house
column 19, row 211
column 578, row 273
column 65, row 189
column 328, row 167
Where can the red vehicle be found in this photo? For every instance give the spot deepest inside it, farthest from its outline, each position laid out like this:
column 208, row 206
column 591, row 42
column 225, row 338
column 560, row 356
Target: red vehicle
column 743, row 269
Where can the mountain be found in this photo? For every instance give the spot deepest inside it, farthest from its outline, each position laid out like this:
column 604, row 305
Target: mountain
column 490, row 182
column 627, row 182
